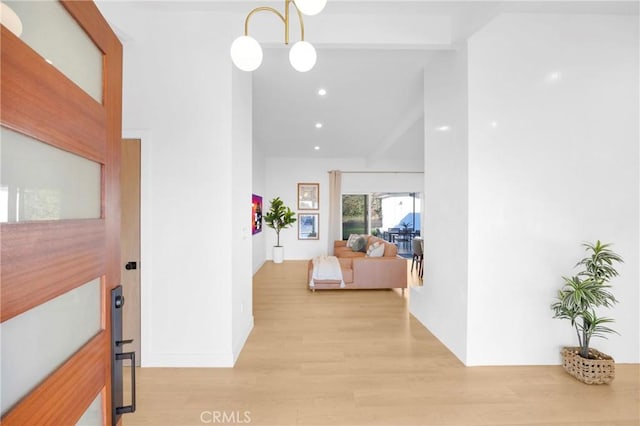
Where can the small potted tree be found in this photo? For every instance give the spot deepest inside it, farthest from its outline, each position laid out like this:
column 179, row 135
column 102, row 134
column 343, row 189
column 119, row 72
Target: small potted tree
column 279, row 217
column 577, row 301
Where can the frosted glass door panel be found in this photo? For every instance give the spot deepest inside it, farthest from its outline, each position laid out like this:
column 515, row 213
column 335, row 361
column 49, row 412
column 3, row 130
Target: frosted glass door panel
column 48, row 29
column 93, row 415
column 40, row 182
column 35, row 343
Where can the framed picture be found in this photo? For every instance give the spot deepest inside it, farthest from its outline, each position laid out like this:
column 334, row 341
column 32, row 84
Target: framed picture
column 308, row 196
column 256, row 214
column 308, row 226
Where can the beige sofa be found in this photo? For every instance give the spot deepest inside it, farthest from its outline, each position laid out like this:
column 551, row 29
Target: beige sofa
column 360, row 271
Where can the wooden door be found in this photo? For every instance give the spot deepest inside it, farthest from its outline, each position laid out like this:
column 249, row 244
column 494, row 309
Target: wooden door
column 42, row 260
column 130, row 241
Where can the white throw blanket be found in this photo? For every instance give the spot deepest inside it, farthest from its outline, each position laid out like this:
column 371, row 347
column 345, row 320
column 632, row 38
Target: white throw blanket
column 326, row 268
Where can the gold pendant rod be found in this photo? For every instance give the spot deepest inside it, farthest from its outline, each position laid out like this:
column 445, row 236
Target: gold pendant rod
column 284, row 19
column 301, row 22
column 261, row 9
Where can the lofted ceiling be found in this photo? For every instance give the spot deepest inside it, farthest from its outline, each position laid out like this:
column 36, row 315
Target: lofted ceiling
column 374, row 102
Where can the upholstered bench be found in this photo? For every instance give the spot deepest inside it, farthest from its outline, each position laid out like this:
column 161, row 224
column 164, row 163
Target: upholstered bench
column 329, row 284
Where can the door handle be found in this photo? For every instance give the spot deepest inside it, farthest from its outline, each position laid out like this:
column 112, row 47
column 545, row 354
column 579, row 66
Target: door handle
column 117, row 356
column 132, row 356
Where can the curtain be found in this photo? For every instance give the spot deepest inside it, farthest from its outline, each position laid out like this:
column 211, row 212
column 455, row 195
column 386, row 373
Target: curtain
column 335, row 210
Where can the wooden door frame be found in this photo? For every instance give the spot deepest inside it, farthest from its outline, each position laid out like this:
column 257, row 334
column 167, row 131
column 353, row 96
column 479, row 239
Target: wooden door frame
column 145, row 136
column 33, row 252
column 132, row 315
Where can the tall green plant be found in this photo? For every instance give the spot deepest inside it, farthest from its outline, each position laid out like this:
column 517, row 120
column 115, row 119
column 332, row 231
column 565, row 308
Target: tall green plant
column 589, row 289
column 279, row 217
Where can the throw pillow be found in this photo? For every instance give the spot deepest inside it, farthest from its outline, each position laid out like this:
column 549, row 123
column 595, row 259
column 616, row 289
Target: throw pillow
column 376, row 250
column 371, row 248
column 352, row 239
column 360, row 245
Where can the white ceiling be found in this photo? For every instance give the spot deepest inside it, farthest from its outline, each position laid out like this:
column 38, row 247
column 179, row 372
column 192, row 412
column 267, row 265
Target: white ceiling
column 374, row 98
column 374, row 105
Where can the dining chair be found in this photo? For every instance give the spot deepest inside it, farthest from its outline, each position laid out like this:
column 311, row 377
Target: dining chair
column 393, row 233
column 417, row 255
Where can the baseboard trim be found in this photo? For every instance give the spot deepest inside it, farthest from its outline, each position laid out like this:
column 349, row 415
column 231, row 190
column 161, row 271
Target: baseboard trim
column 213, row 360
column 239, row 343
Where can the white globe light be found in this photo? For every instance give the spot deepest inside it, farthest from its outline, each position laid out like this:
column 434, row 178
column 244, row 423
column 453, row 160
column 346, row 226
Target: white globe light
column 302, row 56
column 246, row 53
column 310, row 7
column 10, row 19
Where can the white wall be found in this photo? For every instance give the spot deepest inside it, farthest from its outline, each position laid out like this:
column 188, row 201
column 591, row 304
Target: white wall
column 559, row 166
column 242, row 243
column 198, row 173
column 283, row 175
column 441, row 303
column 526, row 184
column 259, row 252
column 549, row 160
column 409, row 178
column 181, row 99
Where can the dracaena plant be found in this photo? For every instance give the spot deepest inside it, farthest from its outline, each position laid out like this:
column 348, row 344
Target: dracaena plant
column 589, row 289
column 279, row 217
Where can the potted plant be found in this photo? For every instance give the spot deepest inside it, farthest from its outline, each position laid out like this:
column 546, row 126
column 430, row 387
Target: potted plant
column 279, row 217
column 577, row 301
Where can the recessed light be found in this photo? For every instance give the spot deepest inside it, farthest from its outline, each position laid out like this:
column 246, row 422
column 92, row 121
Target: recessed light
column 318, row 125
column 553, row 76
column 322, row 92
column 494, row 124
column 317, row 148
column 443, row 128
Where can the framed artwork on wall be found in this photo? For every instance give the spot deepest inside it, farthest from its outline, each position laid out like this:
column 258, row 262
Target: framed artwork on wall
column 308, row 196
column 256, row 214
column 308, row 226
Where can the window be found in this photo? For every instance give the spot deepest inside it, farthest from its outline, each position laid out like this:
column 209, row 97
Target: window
column 375, row 213
column 357, row 217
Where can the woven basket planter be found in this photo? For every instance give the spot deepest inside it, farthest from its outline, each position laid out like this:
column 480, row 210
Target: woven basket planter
column 599, row 369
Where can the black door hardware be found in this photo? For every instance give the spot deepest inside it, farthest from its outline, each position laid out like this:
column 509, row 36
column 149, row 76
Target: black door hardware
column 117, row 358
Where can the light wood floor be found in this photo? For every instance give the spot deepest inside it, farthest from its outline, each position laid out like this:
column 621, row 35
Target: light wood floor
column 359, row 358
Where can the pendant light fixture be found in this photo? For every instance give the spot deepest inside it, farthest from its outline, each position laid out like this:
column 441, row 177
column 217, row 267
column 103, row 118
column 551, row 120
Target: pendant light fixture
column 246, row 52
column 10, row 19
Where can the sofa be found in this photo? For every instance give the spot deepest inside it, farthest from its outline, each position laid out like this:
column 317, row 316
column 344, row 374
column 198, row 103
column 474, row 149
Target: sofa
column 360, row 271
